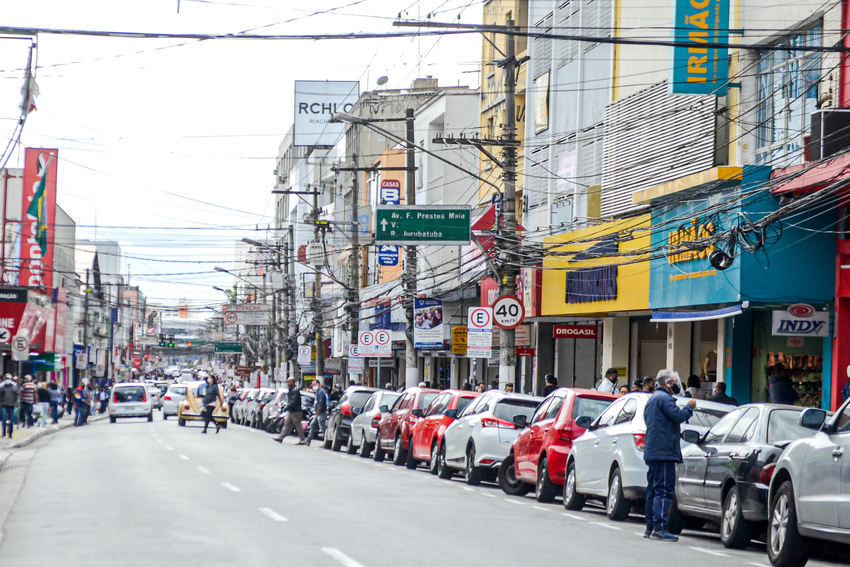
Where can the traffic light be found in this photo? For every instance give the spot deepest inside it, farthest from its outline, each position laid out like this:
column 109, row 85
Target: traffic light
column 147, row 356
column 170, row 344
column 162, row 343
column 189, row 344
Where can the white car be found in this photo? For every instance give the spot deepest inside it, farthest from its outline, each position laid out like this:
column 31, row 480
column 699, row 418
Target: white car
column 364, row 427
column 172, row 398
column 129, row 399
column 155, row 395
column 482, row 436
column 606, row 462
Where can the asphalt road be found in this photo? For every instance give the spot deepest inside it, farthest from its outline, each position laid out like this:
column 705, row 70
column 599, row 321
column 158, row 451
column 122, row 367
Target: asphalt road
column 138, row 493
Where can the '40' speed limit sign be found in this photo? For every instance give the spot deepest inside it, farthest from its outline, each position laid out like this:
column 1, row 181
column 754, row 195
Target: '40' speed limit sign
column 508, row 312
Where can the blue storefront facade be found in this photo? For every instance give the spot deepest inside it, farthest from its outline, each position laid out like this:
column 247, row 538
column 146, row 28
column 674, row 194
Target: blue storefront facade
column 773, row 304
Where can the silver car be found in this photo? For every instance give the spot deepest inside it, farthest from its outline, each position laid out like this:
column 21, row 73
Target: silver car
column 810, row 489
column 364, row 427
column 172, row 398
column 606, row 462
column 482, row 436
column 129, row 399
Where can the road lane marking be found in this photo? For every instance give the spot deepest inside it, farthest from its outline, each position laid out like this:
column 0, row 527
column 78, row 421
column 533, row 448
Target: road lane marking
column 604, row 525
column 487, row 495
column 573, row 516
column 202, row 470
column 541, row 508
column 340, row 557
column 710, row 552
column 272, row 514
column 184, row 457
column 514, row 501
column 169, row 448
column 758, row 564
column 230, row 487
column 468, row 489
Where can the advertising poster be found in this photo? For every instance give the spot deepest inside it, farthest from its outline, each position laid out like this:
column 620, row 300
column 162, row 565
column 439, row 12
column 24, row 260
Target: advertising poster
column 38, row 211
column 428, row 323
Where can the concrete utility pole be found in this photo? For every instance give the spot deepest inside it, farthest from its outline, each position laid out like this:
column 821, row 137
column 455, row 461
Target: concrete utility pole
column 411, row 376
column 86, row 325
column 354, row 267
column 507, row 352
column 318, row 314
column 291, row 328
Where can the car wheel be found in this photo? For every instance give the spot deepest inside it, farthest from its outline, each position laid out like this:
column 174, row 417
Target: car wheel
column 365, row 448
column 444, row 471
column 181, row 422
column 351, row 448
column 150, row 416
column 379, row 454
column 111, row 419
column 546, row 489
column 473, row 474
column 735, row 530
column 508, row 481
column 676, row 520
column 337, row 442
column 617, row 506
column 433, row 464
column 410, row 462
column 399, row 454
column 785, row 545
column 572, row 499
column 327, row 439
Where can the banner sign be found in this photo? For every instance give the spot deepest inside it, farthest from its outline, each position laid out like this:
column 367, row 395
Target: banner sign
column 459, row 335
column 480, row 332
column 256, row 314
column 38, row 213
column 801, row 320
column 696, row 69
column 428, row 323
column 575, row 331
column 390, row 192
column 315, row 103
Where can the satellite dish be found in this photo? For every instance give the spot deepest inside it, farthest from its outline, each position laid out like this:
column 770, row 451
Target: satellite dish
column 382, row 80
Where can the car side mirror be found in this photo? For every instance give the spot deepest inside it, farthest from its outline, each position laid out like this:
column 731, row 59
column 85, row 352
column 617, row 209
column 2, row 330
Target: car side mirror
column 450, row 413
column 584, row 421
column 521, row 420
column 417, row 412
column 691, row 436
column 357, row 411
column 813, row 418
column 384, row 409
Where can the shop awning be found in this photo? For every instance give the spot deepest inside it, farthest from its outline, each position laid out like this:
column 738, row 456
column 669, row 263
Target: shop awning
column 684, row 316
column 805, row 178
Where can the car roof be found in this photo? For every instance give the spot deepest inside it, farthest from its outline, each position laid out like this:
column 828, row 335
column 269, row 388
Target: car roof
column 360, row 389
column 512, row 395
column 128, row 384
column 588, row 393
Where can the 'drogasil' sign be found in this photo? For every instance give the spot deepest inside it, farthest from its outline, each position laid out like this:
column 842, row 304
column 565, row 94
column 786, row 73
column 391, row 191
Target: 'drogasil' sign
column 575, row 331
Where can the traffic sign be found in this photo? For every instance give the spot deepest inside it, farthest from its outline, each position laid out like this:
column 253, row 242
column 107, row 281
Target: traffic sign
column 390, row 191
column 20, row 349
column 387, row 255
column 423, row 225
column 5, row 336
column 233, row 347
column 508, row 312
column 383, row 345
column 354, row 351
column 480, row 332
column 304, row 355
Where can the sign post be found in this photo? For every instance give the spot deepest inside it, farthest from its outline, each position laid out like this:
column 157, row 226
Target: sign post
column 232, row 347
column 423, row 225
column 20, row 349
column 480, row 332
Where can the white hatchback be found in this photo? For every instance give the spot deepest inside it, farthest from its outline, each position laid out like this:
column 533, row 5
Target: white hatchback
column 172, row 398
column 129, row 399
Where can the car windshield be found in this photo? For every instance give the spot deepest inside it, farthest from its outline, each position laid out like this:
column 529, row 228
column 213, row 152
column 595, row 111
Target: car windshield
column 704, row 417
column 589, row 407
column 784, row 425
column 462, row 403
column 507, row 409
column 128, row 394
column 358, row 399
column 425, row 399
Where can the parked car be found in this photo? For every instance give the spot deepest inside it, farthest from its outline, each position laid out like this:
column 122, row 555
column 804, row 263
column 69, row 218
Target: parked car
column 172, row 398
column 240, row 408
column 342, row 414
column 364, row 427
column 272, row 409
column 396, row 424
column 482, row 436
column 808, row 491
column 724, row 474
column 254, row 408
column 538, row 457
column 606, row 463
column 192, row 405
column 427, row 433
column 129, row 399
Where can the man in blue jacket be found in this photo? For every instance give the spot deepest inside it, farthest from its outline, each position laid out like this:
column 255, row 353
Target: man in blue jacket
column 662, row 451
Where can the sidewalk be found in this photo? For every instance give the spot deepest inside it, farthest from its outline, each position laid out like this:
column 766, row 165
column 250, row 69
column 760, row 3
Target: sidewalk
column 22, row 437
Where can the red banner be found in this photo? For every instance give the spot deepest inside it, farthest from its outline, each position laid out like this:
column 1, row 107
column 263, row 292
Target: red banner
column 38, row 214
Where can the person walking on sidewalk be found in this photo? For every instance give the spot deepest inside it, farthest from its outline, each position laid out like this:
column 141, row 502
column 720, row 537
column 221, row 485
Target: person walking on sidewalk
column 320, row 412
column 28, row 398
column 662, row 451
column 69, row 400
column 212, row 396
column 44, row 403
column 8, row 399
column 80, row 405
column 294, row 415
column 55, row 400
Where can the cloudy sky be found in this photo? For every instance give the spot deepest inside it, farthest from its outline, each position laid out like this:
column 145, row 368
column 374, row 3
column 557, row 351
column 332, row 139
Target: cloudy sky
column 167, row 146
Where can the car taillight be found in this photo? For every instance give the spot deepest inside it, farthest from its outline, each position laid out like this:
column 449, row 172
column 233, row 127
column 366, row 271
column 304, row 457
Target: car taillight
column 144, row 397
column 640, row 441
column 766, row 473
column 376, row 420
column 346, row 410
column 496, row 422
column 167, row 398
column 114, row 398
column 564, row 432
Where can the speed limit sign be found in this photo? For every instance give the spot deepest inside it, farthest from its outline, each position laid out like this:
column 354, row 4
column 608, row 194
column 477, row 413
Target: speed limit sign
column 508, row 312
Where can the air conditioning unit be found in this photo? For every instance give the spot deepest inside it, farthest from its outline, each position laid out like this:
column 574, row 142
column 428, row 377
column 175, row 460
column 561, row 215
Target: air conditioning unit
column 830, row 132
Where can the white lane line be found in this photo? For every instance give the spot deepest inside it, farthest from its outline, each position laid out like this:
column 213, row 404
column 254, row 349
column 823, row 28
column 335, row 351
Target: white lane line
column 604, row 525
column 573, row 516
column 757, row 564
column 202, row 470
column 184, row 457
column 710, row 552
column 514, row 501
column 272, row 514
column 230, row 487
column 169, row 448
column 468, row 489
column 541, row 508
column 488, row 495
column 341, row 558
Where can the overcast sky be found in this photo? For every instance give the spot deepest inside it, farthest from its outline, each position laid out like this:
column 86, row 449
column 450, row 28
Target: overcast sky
column 140, row 123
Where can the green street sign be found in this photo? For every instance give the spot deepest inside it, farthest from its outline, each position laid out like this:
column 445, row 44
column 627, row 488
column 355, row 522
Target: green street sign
column 199, row 343
column 425, row 224
column 235, row 348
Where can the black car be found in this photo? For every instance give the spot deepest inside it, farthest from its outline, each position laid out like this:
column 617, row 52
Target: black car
column 342, row 414
column 725, row 474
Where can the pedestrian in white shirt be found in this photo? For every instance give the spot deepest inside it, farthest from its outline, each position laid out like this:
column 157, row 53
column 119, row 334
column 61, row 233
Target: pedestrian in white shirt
column 609, row 381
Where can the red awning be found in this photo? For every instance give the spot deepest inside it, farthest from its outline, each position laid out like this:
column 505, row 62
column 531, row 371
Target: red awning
column 814, row 179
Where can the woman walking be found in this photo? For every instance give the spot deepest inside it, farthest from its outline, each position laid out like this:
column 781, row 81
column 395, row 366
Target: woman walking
column 55, row 399
column 211, row 397
column 43, row 403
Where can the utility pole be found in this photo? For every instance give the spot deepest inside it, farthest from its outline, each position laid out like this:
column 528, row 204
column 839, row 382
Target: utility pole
column 354, row 267
column 411, row 377
column 291, row 329
column 507, row 352
column 86, row 325
column 318, row 315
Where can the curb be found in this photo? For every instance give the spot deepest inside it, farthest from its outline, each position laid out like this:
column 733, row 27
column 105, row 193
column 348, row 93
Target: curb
column 44, row 432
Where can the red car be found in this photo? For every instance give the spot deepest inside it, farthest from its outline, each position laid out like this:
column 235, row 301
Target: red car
column 440, row 413
column 397, row 422
column 539, row 453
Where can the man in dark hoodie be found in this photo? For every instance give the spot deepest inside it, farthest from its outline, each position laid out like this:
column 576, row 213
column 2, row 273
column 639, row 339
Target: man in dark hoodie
column 781, row 388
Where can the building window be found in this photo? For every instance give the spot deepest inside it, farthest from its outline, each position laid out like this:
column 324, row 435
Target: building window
column 787, row 94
